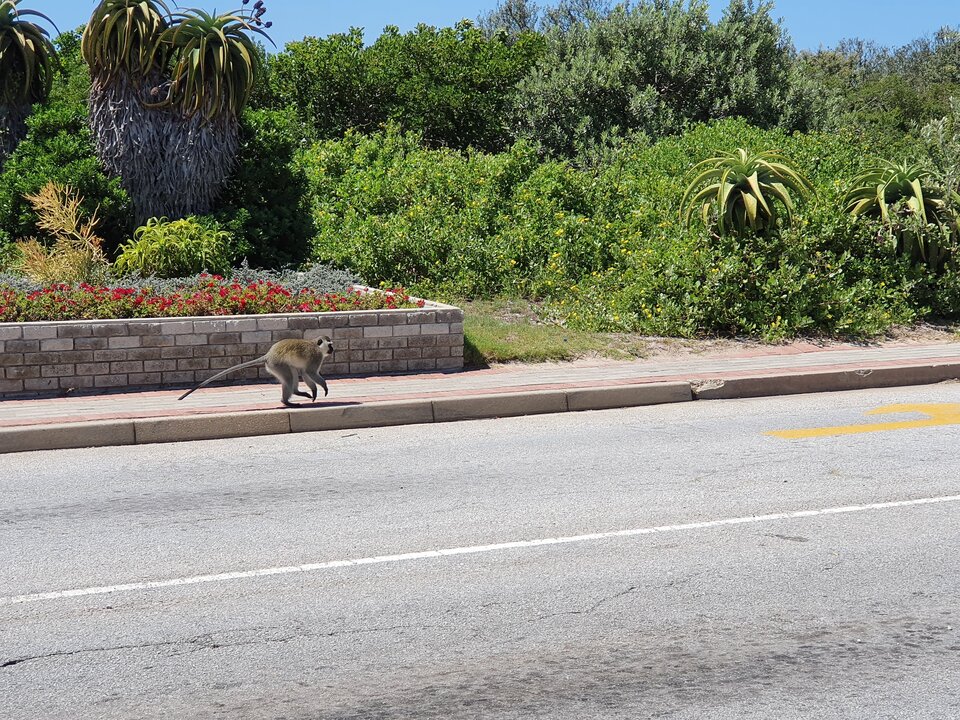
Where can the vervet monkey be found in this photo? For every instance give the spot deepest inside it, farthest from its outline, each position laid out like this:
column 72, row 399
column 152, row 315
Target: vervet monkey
column 288, row 361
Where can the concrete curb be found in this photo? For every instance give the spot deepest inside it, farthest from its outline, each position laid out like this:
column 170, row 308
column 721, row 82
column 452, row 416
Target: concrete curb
column 452, row 409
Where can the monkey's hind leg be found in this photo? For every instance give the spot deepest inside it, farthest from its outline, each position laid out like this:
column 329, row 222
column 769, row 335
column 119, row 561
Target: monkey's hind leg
column 288, row 378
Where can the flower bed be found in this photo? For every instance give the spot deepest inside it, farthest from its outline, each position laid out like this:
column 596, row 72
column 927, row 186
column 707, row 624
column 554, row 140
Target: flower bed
column 208, row 295
column 373, row 332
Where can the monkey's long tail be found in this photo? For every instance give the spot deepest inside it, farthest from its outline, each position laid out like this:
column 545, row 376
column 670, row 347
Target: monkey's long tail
column 220, row 374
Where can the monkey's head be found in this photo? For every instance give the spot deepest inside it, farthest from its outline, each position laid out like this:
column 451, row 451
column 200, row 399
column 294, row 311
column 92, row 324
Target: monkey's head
column 325, row 344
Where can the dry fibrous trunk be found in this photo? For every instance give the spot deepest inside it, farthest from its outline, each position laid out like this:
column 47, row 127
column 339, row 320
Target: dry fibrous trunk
column 13, row 128
column 171, row 166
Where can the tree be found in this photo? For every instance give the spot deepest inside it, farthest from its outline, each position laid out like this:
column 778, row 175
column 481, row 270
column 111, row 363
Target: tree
column 26, row 71
column 165, row 98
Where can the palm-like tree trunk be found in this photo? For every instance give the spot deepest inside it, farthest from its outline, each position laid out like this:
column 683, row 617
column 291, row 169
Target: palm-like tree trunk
column 13, row 128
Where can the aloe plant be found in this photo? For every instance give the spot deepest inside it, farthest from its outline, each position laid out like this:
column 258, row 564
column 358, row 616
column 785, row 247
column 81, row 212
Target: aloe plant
column 743, row 191
column 26, row 70
column 166, row 94
column 917, row 212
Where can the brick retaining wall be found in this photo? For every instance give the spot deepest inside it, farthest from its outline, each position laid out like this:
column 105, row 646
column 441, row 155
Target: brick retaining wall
column 51, row 357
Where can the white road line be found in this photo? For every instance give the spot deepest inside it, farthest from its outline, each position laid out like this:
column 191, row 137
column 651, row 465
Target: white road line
column 468, row 550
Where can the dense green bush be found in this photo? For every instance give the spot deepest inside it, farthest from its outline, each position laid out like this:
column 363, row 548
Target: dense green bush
column 174, row 248
column 606, row 248
column 453, row 86
column 265, row 205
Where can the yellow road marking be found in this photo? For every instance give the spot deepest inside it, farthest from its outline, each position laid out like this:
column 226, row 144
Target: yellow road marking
column 937, row 414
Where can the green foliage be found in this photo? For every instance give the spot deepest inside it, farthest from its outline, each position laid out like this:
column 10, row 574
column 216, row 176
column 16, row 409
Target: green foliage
column 452, row 86
column 653, row 67
column 215, row 62
column 743, row 191
column 58, row 148
column 175, row 248
column 121, row 37
column 915, row 213
column 27, row 56
column 265, row 205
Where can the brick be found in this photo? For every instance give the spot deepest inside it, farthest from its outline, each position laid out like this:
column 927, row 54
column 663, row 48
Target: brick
column 102, row 368
column 362, row 319
column 128, row 366
column 402, row 330
column 222, row 363
column 456, row 328
column 207, row 351
column 392, row 342
column 224, row 338
column 456, row 351
column 36, row 384
column 393, row 317
column 57, row 358
column 435, row 329
column 191, row 339
column 143, row 353
column 304, row 323
column 393, row 366
column 378, row 331
column 145, row 378
column 145, row 329
column 23, row 372
column 111, row 330
column 206, row 327
column 179, row 378
column 408, row 354
column 347, row 333
column 257, row 336
column 176, row 352
column 436, row 352
column 272, row 323
column 337, row 368
column 421, row 317
column 75, row 331
column 378, row 355
column 109, row 355
column 363, row 344
column 422, row 364
column 240, row 325
column 39, row 332
column 56, row 344
column 158, row 341
column 110, row 381
column 177, row 327
column 449, row 316
column 131, row 341
column 193, row 364
column 78, row 382
column 91, row 343
column 451, row 363
column 49, row 371
column 11, row 386
column 423, row 341
column 286, row 335
column 364, row 368
column 155, row 366
column 450, row 340
column 9, row 359
column 11, row 332
column 22, row 346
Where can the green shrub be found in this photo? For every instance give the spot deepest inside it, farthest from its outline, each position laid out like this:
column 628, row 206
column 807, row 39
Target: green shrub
column 265, row 205
column 176, row 248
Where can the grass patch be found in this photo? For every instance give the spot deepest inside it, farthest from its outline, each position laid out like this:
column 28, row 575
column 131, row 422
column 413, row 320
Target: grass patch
column 500, row 331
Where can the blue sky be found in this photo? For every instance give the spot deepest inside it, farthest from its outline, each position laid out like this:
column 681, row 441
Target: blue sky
column 811, row 23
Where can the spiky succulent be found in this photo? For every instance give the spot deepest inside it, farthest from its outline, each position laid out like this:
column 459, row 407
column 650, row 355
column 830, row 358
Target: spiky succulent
column 26, row 56
column 122, row 36
column 743, row 191
column 215, row 62
column 915, row 209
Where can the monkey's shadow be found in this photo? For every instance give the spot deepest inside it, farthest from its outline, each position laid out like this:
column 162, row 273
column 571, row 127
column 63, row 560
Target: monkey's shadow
column 320, row 404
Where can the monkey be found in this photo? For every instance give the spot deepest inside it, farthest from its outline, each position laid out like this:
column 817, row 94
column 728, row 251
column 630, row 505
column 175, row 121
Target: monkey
column 289, row 361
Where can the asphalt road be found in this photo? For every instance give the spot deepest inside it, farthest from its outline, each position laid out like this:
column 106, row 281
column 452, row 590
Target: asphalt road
column 660, row 562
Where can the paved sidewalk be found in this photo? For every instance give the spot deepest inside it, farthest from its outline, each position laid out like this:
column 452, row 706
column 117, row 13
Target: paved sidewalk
column 238, row 410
